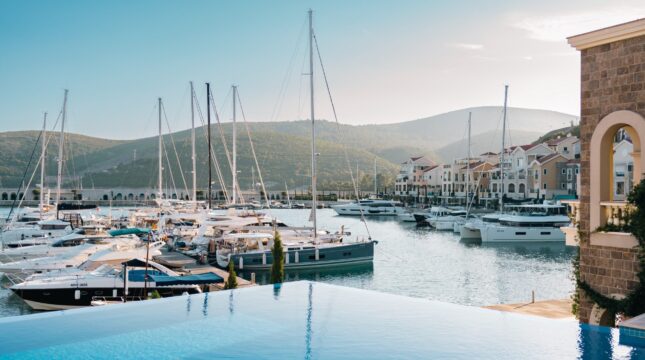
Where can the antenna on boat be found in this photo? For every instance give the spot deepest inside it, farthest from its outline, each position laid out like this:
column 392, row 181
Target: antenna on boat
column 313, row 125
column 501, row 161
column 208, row 116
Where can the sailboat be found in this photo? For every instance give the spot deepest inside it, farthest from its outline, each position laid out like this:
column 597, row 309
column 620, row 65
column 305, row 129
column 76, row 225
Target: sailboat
column 252, row 251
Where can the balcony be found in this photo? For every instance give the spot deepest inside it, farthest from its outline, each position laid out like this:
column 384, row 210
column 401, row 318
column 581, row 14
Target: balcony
column 614, row 213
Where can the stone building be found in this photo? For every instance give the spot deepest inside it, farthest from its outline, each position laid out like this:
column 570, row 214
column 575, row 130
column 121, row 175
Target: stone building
column 612, row 98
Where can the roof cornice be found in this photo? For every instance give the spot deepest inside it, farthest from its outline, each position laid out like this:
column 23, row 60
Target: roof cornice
column 608, row 35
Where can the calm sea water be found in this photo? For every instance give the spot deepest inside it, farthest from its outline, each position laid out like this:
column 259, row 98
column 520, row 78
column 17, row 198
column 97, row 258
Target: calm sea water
column 423, row 263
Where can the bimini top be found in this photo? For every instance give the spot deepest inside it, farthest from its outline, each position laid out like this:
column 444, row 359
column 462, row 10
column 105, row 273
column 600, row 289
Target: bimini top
column 128, row 231
column 197, row 279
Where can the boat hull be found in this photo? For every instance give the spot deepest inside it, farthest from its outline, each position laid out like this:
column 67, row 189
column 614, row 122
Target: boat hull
column 305, row 258
column 521, row 234
column 68, row 298
column 469, row 233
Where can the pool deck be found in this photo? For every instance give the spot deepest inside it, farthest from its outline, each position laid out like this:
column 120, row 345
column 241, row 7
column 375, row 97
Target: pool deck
column 552, row 309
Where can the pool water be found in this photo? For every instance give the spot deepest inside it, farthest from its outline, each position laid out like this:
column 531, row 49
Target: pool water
column 424, row 263
column 302, row 320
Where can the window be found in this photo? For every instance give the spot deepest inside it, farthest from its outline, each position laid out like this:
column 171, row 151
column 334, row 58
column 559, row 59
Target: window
column 566, row 149
column 511, row 188
column 577, row 171
column 564, row 171
column 544, row 171
column 563, row 186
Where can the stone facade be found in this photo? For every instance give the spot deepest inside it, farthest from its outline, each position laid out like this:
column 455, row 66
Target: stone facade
column 612, row 79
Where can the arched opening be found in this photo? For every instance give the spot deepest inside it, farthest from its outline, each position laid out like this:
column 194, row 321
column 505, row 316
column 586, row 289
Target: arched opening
column 511, row 188
column 522, row 188
column 105, row 197
column 142, row 196
column 174, row 196
column 130, row 196
column 603, row 317
column 118, row 196
column 13, row 196
column 611, row 173
column 5, row 196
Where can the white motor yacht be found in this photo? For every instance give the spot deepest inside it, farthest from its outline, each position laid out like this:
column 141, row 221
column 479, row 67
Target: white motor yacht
column 369, row 207
column 528, row 223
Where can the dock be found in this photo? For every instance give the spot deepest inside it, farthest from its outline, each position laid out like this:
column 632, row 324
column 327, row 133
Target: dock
column 552, row 309
column 185, row 265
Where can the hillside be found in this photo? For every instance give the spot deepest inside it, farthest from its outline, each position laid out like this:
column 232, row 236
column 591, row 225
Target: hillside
column 283, row 150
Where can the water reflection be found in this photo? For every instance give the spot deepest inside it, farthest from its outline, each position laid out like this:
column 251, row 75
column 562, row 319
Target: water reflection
column 363, row 270
column 308, row 332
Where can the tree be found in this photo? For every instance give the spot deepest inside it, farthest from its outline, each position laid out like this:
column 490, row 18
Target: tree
column 277, row 268
column 231, row 282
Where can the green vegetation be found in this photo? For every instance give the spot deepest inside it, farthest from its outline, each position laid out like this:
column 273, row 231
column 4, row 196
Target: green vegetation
column 634, row 303
column 231, row 282
column 155, row 295
column 277, row 268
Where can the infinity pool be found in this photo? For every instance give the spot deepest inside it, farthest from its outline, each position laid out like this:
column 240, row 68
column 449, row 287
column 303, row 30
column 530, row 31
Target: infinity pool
column 302, row 320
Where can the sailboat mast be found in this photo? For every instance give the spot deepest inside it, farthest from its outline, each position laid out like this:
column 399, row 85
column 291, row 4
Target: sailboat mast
column 61, row 145
column 234, row 166
column 375, row 180
column 192, row 139
column 470, row 114
column 160, row 190
column 313, row 125
column 208, row 112
column 501, row 161
column 42, row 165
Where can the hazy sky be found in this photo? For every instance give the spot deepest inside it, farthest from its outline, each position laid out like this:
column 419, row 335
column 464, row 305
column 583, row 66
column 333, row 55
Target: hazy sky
column 387, row 61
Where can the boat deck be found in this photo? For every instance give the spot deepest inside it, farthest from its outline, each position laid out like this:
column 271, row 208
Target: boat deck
column 185, row 265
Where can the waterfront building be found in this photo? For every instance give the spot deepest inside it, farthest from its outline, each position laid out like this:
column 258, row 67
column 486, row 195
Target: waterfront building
column 623, row 168
column 409, row 180
column 612, row 100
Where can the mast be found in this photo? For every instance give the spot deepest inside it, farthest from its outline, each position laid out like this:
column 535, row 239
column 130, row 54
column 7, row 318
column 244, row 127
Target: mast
column 313, row 125
column 288, row 198
column 375, row 180
column 192, row 139
column 470, row 114
column 160, row 155
column 61, row 145
column 42, row 166
column 501, row 161
column 234, row 166
column 208, row 112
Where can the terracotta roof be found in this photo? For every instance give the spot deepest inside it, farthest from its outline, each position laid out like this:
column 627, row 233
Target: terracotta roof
column 554, row 142
column 430, row 168
column 547, row 158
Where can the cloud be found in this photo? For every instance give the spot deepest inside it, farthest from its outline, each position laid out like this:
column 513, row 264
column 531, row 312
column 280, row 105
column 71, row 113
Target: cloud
column 556, row 28
column 468, row 46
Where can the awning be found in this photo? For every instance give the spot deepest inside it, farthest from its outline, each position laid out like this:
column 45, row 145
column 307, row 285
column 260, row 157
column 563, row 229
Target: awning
column 197, row 279
column 128, row 231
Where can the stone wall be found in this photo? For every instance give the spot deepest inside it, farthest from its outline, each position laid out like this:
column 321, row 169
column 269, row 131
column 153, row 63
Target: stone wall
column 612, row 79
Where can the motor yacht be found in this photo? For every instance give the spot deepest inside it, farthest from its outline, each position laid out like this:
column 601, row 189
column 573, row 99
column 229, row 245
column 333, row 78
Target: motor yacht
column 137, row 279
column 528, row 223
column 370, row 207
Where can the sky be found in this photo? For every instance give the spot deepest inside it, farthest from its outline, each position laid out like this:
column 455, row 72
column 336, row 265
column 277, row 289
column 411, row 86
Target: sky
column 386, row 61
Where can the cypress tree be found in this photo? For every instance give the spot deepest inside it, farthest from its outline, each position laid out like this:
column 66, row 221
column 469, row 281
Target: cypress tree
column 231, row 282
column 277, row 268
